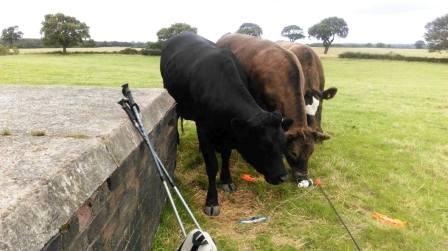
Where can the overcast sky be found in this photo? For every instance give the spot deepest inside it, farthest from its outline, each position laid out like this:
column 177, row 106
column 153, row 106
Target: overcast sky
column 389, row 21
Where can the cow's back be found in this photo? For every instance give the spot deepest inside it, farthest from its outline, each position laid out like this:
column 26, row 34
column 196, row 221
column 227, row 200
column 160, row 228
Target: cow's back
column 311, row 65
column 205, row 81
column 180, row 55
column 178, row 63
column 272, row 71
column 313, row 72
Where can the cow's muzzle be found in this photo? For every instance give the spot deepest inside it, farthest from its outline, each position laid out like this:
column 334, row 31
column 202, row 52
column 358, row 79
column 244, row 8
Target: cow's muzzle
column 300, row 169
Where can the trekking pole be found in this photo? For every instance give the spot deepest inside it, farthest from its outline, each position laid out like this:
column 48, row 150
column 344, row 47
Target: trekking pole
column 133, row 111
column 125, row 105
column 319, row 185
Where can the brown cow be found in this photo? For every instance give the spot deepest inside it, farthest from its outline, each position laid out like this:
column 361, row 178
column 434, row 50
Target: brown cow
column 276, row 82
column 314, row 81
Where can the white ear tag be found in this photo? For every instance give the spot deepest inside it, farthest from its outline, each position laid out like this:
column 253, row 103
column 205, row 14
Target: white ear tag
column 312, row 109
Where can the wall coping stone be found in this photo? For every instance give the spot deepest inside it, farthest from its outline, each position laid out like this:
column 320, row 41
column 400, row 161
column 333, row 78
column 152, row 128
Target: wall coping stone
column 45, row 179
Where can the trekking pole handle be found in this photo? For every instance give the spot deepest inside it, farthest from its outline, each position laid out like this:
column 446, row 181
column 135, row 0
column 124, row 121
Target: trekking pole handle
column 124, row 104
column 127, row 93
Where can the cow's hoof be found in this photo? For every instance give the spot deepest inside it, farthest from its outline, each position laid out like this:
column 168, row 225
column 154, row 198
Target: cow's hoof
column 211, row 210
column 229, row 188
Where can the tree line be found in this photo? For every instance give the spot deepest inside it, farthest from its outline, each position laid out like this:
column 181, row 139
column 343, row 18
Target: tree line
column 59, row 30
column 326, row 31
column 38, row 43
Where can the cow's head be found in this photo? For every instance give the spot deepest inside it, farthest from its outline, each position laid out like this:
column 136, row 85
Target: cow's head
column 261, row 142
column 312, row 96
column 299, row 148
column 313, row 106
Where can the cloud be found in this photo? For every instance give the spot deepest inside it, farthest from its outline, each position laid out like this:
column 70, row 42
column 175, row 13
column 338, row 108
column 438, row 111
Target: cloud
column 139, row 20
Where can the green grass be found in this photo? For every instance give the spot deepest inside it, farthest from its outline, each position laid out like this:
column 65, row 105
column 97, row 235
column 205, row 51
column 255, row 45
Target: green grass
column 96, row 70
column 95, row 49
column 388, row 154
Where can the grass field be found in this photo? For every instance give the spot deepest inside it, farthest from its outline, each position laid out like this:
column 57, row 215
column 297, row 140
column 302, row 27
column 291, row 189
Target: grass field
column 388, row 154
column 80, row 69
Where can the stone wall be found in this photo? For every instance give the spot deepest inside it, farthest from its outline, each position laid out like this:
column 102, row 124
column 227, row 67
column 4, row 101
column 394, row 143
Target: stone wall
column 123, row 213
column 89, row 182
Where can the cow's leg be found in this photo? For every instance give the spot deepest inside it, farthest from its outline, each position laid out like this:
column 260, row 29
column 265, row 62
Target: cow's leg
column 211, row 164
column 225, row 177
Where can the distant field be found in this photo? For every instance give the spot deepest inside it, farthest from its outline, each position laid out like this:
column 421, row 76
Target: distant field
column 388, row 154
column 96, row 49
column 334, row 52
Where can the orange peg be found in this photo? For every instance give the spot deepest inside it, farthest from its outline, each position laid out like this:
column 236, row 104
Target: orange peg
column 248, row 178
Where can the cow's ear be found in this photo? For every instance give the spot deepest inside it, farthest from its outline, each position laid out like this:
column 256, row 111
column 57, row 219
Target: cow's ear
column 329, row 93
column 319, row 137
column 286, row 123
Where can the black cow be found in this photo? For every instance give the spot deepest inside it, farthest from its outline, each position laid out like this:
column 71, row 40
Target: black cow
column 210, row 88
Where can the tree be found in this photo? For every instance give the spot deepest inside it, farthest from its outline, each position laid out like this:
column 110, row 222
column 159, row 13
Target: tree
column 420, row 44
column 89, row 43
column 62, row 30
column 250, row 29
column 327, row 29
column 154, row 45
column 380, row 45
column 11, row 34
column 292, row 32
column 177, row 28
column 436, row 34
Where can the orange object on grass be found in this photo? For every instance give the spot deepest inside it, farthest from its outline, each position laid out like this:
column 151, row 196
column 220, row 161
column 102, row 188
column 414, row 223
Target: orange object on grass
column 387, row 220
column 248, row 178
column 317, row 182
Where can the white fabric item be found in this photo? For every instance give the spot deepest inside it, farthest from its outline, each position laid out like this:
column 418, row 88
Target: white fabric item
column 187, row 245
column 305, row 183
column 312, row 109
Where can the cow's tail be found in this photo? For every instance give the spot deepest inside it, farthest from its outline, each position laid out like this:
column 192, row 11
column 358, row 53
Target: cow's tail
column 181, row 127
column 300, row 80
